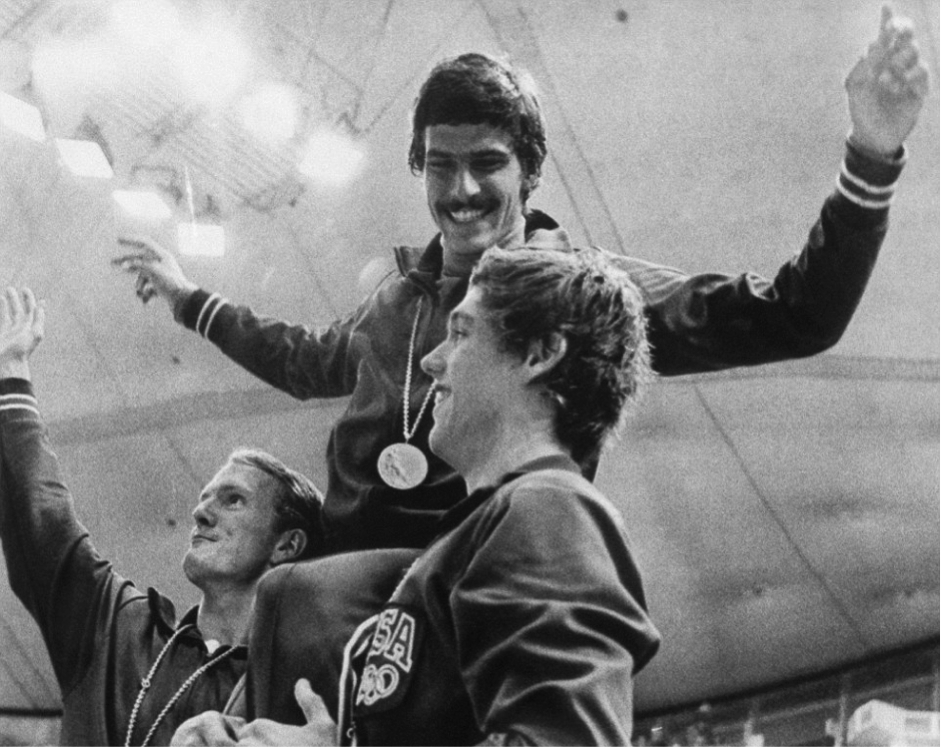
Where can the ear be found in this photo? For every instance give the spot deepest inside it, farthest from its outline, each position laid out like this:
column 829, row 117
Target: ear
column 545, row 354
column 290, row 545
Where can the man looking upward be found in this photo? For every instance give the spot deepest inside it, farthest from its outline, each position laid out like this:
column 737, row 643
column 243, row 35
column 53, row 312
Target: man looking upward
column 129, row 671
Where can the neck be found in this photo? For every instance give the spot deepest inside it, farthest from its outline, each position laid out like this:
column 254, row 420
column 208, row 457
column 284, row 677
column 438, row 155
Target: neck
column 226, row 616
column 514, row 447
column 461, row 263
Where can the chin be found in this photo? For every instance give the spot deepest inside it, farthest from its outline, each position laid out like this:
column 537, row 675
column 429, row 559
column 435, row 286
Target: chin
column 438, row 444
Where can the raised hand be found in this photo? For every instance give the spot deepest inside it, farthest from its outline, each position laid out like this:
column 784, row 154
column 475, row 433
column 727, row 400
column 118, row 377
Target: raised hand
column 887, row 87
column 158, row 272
column 22, row 325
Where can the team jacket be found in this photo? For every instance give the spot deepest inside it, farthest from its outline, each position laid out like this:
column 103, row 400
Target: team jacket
column 523, row 623
column 101, row 632
column 697, row 323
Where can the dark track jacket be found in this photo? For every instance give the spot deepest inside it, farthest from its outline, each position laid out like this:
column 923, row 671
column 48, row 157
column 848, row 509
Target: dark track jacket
column 102, row 633
column 524, row 622
column 697, row 323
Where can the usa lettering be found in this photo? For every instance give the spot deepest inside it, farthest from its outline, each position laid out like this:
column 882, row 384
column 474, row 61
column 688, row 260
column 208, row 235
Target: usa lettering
column 394, row 639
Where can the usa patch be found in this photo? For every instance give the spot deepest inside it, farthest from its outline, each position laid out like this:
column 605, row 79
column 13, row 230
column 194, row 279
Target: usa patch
column 390, row 663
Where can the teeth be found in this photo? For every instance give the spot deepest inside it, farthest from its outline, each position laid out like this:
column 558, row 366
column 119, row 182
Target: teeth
column 466, row 216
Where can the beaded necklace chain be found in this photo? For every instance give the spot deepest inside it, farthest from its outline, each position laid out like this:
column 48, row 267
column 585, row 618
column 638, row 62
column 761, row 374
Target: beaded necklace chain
column 148, row 680
column 401, row 465
column 408, row 381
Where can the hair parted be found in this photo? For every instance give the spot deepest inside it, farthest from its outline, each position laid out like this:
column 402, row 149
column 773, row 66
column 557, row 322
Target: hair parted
column 530, row 294
column 474, row 88
column 298, row 503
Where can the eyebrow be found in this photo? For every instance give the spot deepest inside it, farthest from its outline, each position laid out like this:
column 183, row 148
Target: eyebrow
column 481, row 152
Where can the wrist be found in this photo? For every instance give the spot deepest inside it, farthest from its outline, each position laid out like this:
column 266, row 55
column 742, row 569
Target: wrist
column 873, row 150
column 179, row 297
column 14, row 368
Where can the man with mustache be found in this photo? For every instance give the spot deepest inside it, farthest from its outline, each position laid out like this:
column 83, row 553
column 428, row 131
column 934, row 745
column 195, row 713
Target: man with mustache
column 478, row 141
column 129, row 671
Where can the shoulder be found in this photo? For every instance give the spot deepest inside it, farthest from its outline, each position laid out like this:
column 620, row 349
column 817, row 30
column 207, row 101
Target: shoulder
column 555, row 501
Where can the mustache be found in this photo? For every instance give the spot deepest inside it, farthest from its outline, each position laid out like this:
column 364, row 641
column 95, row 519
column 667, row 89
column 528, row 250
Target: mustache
column 453, row 206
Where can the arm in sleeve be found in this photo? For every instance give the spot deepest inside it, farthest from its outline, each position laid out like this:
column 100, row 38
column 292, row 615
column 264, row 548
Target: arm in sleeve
column 551, row 624
column 294, row 358
column 713, row 321
column 51, row 564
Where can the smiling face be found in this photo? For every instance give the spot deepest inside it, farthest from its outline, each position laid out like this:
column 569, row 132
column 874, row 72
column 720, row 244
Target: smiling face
column 474, row 184
column 234, row 539
column 477, row 388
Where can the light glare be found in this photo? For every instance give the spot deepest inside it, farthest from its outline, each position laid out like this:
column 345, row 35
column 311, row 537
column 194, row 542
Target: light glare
column 150, row 25
column 201, row 239
column 331, row 158
column 271, row 112
column 212, row 64
column 142, row 205
column 84, row 158
column 21, row 117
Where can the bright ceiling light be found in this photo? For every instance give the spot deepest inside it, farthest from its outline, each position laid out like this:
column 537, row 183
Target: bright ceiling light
column 21, row 117
column 212, row 63
column 200, row 239
column 84, row 158
column 142, row 204
column 270, row 112
column 150, row 25
column 331, row 158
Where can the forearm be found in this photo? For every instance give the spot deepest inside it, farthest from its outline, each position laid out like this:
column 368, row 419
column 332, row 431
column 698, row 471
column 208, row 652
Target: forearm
column 713, row 321
column 300, row 361
column 38, row 526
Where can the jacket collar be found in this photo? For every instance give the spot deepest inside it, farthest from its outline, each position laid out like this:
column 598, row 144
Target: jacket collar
column 460, row 511
column 164, row 613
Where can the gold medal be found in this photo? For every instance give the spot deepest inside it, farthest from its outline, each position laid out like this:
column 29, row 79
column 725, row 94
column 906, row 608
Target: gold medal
column 403, row 466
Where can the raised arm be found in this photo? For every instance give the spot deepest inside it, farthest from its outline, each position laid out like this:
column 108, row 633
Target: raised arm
column 714, row 321
column 887, row 88
column 51, row 565
column 301, row 361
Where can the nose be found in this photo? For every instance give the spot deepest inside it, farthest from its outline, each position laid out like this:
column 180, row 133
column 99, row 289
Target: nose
column 433, row 363
column 203, row 514
column 465, row 183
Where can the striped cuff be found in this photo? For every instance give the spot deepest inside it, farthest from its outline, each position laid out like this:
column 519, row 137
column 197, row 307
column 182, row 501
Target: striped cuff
column 208, row 313
column 200, row 311
column 19, row 402
column 868, row 182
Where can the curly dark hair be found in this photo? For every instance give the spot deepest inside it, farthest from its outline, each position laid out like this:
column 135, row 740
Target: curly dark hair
column 529, row 295
column 298, row 503
column 474, row 88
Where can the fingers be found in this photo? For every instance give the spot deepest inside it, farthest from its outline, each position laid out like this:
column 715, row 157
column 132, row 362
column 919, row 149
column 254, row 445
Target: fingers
column 144, row 288
column 34, row 314
column 39, row 323
column 307, row 699
column 18, row 307
column 5, row 320
column 143, row 252
column 14, row 305
column 895, row 60
column 209, row 728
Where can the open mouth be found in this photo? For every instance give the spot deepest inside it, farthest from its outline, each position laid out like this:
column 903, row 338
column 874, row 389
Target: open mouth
column 466, row 215
column 441, row 394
